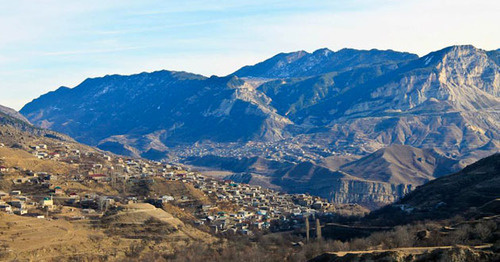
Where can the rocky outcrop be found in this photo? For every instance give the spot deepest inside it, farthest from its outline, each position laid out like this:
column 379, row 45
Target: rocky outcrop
column 368, row 192
column 338, row 186
column 346, row 191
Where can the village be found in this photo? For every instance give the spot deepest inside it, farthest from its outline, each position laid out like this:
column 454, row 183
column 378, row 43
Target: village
column 291, row 150
column 101, row 182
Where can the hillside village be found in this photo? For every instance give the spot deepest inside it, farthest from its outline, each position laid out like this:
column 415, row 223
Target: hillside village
column 98, row 183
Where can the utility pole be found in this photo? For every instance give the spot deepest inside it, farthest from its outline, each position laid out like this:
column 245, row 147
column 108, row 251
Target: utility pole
column 307, row 229
column 113, row 180
column 318, row 229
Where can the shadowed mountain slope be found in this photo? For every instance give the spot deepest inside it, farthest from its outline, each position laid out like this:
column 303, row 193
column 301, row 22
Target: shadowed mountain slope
column 472, row 192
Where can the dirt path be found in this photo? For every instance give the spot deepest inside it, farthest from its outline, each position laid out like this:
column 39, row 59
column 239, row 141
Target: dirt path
column 410, row 250
column 358, row 227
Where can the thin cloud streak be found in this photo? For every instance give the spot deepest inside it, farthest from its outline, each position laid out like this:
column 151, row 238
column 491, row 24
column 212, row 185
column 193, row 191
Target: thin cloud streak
column 159, row 28
column 54, row 43
column 92, row 51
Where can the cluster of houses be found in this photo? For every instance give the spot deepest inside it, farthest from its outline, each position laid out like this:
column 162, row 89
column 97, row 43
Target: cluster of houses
column 252, row 207
column 288, row 149
column 15, row 202
column 255, row 208
column 262, row 208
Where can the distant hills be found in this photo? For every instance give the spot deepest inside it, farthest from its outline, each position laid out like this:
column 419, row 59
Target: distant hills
column 399, row 164
column 299, row 108
column 16, row 130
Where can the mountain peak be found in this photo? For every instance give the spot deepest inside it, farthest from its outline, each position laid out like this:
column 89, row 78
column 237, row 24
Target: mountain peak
column 455, row 48
column 452, row 52
column 323, row 52
column 290, row 57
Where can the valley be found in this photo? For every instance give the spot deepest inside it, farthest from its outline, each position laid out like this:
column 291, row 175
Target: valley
column 387, row 156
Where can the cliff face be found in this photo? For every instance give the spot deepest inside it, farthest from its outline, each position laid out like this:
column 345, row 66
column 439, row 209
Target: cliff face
column 338, row 186
column 464, row 76
column 368, row 193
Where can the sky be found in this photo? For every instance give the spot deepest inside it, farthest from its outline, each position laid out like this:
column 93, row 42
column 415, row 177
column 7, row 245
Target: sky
column 45, row 44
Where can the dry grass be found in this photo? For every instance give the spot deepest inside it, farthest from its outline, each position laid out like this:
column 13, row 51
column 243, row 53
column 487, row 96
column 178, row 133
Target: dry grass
column 32, row 239
column 40, row 239
column 20, row 158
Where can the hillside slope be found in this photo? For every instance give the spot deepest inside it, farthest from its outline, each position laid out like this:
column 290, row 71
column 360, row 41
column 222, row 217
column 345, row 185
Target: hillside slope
column 399, row 164
column 472, row 192
column 12, row 113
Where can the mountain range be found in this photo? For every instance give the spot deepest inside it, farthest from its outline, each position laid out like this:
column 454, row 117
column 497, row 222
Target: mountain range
column 300, row 109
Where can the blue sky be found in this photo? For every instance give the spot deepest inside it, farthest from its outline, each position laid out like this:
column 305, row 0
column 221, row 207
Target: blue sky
column 45, row 44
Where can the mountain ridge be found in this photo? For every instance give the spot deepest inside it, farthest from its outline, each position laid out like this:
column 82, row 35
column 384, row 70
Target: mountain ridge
column 297, row 107
column 303, row 64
